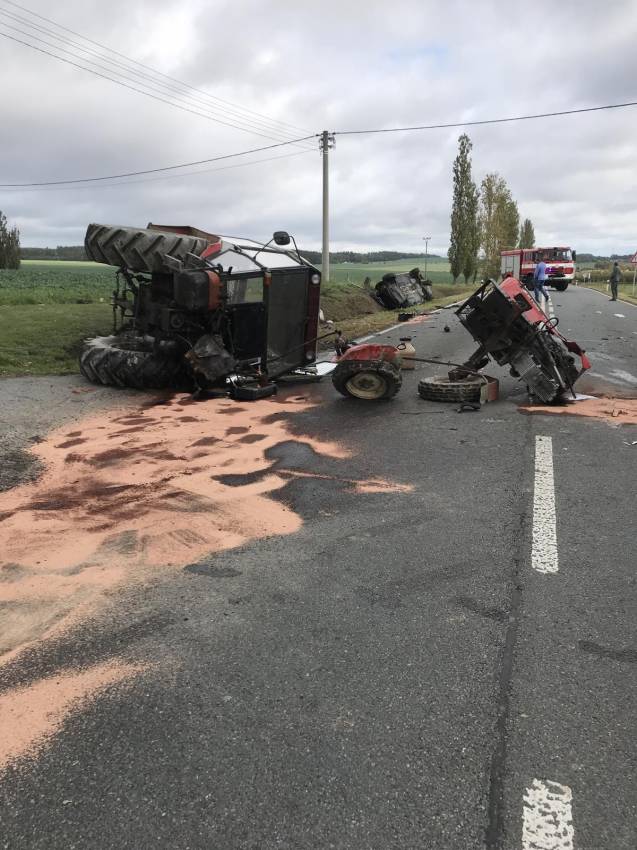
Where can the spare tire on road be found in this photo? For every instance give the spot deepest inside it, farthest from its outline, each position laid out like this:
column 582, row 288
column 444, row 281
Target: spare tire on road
column 133, row 360
column 440, row 388
column 138, row 249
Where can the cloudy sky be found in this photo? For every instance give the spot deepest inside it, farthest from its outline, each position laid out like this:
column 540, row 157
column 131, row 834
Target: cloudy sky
column 284, row 69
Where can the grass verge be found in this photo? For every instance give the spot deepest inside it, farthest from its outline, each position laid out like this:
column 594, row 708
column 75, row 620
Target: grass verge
column 625, row 291
column 354, row 326
column 45, row 339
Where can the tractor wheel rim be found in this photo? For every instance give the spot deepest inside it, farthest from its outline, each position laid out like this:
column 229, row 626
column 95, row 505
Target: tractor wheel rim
column 366, row 385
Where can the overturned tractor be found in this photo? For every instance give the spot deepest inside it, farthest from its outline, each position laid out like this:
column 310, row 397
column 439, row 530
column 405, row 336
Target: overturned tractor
column 191, row 309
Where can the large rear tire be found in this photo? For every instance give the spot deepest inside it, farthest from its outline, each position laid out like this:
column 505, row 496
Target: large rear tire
column 131, row 360
column 440, row 388
column 137, row 249
column 368, row 380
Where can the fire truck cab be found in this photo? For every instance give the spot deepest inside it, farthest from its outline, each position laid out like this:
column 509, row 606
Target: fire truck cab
column 521, row 263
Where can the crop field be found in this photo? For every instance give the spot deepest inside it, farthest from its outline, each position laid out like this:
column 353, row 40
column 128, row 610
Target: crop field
column 437, row 270
column 56, row 282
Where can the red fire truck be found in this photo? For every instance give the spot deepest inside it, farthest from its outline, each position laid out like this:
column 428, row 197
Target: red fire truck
column 560, row 265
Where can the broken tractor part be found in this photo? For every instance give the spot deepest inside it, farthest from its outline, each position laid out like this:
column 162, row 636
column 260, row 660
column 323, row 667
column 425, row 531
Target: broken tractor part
column 368, row 372
column 511, row 329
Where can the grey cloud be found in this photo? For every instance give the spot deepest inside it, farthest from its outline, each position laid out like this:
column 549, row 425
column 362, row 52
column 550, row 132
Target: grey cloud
column 337, row 66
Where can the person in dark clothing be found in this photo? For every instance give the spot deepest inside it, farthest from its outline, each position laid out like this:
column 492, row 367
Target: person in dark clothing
column 615, row 277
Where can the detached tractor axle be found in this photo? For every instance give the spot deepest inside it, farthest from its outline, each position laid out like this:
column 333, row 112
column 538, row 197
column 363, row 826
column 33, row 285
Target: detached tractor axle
column 369, row 372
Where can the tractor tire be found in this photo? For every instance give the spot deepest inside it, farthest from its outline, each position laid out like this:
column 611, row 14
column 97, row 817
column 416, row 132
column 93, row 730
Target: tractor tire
column 439, row 388
column 131, row 360
column 368, row 380
column 137, row 249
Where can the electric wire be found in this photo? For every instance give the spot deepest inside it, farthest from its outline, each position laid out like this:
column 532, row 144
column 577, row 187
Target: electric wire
column 93, row 187
column 151, row 170
column 157, row 85
column 226, row 103
column 487, row 120
column 132, row 87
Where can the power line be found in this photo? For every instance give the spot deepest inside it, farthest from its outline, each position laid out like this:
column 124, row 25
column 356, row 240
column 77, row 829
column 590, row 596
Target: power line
column 314, row 135
column 233, row 115
column 152, row 170
column 163, row 177
column 149, row 68
column 486, row 121
column 127, row 86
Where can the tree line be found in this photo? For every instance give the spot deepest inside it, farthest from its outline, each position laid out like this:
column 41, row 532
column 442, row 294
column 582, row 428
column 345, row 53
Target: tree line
column 364, row 257
column 62, row 252
column 484, row 220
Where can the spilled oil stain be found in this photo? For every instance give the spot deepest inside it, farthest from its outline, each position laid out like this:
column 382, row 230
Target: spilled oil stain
column 125, row 505
column 30, row 716
column 616, row 411
column 120, row 505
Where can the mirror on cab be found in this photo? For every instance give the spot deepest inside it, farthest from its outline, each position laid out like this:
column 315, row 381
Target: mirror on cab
column 281, row 237
column 574, row 256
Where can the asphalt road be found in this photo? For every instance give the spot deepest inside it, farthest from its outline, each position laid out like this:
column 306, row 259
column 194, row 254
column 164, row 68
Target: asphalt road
column 396, row 674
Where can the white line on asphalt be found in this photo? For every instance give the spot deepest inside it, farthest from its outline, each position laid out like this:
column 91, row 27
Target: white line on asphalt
column 544, row 550
column 547, row 817
column 619, row 315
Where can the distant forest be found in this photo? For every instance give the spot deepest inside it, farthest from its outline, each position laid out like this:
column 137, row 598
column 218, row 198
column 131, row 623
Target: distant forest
column 76, row 252
column 62, row 252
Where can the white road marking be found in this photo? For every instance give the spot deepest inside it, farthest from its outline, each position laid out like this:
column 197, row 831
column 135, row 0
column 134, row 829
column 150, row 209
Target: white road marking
column 544, row 550
column 624, row 376
column 547, row 817
column 619, row 315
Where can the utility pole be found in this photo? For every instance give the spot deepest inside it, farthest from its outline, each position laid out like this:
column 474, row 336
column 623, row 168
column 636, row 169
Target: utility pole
column 326, row 141
column 426, row 241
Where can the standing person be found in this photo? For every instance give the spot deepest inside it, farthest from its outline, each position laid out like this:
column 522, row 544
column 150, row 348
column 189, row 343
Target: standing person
column 539, row 281
column 615, row 277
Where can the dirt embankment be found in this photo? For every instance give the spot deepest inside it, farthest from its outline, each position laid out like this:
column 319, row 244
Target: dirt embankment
column 357, row 314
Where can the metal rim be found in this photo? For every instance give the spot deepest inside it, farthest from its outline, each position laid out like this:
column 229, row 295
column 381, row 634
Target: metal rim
column 366, row 385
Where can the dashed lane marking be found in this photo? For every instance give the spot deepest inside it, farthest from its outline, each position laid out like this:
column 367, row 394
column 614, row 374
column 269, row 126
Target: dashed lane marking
column 544, row 557
column 547, row 817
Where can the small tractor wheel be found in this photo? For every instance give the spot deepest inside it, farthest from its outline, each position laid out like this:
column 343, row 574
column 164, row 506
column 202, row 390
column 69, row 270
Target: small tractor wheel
column 367, row 380
column 440, row 388
column 131, row 360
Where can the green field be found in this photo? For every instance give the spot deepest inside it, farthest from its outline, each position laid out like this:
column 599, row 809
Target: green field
column 48, row 307
column 437, row 270
column 56, row 282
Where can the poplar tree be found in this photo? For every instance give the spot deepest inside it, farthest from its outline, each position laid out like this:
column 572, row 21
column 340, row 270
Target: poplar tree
column 499, row 222
column 464, row 240
column 527, row 234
